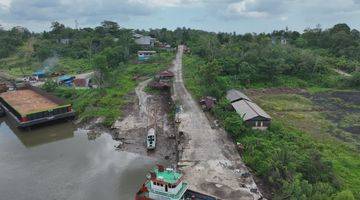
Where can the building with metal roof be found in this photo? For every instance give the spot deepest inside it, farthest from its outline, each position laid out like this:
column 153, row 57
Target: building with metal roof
column 145, row 41
column 235, row 95
column 252, row 114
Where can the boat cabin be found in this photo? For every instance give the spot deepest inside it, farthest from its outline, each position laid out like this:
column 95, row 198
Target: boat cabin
column 164, row 184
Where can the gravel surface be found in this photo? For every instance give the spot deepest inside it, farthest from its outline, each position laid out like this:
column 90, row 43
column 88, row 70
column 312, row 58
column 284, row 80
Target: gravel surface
column 209, row 158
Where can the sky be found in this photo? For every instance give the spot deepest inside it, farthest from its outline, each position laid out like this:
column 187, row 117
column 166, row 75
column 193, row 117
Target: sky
column 240, row 16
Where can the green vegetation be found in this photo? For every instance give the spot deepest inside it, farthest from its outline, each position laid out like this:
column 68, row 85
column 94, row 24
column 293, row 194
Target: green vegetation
column 107, row 102
column 108, row 50
column 303, row 155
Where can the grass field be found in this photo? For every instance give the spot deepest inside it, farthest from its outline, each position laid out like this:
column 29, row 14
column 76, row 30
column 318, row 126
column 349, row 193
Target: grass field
column 327, row 123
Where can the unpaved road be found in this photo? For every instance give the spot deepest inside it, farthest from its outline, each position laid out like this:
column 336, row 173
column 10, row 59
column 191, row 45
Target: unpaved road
column 209, row 158
column 151, row 111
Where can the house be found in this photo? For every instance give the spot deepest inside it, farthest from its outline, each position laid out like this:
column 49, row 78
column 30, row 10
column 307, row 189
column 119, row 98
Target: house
column 40, row 74
column 252, row 114
column 84, row 80
column 145, row 55
column 235, row 95
column 21, row 29
column 67, row 80
column 144, row 41
column 81, row 82
column 207, row 103
column 165, row 75
column 65, row 41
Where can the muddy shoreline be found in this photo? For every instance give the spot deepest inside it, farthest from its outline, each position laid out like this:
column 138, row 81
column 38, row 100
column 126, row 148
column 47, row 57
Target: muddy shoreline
column 144, row 112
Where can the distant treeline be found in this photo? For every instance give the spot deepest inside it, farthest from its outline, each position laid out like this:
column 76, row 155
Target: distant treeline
column 279, row 58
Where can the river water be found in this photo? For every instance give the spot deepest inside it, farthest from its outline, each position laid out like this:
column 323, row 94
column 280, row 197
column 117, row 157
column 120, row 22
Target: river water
column 60, row 162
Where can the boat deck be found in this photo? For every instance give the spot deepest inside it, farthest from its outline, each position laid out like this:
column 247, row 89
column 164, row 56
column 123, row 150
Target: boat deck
column 27, row 101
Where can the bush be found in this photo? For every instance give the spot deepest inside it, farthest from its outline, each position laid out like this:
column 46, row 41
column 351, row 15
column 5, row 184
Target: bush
column 50, row 85
column 344, row 195
column 354, row 81
column 234, row 125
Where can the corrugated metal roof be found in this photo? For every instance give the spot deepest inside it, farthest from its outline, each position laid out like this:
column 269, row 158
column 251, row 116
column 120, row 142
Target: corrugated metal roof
column 235, row 95
column 166, row 73
column 249, row 110
column 144, row 40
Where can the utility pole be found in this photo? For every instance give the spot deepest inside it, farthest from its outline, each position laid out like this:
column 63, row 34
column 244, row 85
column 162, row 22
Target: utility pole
column 76, row 24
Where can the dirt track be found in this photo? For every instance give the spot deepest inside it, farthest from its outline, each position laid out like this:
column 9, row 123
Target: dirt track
column 209, row 158
column 150, row 111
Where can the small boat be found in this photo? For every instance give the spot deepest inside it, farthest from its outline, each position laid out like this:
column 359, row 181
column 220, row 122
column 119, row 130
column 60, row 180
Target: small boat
column 167, row 184
column 151, row 139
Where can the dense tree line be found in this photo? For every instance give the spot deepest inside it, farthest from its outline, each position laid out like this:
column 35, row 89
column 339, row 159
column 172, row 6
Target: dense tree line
column 306, row 59
column 86, row 42
column 10, row 40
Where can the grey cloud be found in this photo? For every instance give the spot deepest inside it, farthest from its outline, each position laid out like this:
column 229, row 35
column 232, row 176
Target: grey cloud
column 91, row 10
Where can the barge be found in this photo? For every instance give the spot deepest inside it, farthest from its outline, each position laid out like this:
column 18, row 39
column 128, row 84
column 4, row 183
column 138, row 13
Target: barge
column 28, row 106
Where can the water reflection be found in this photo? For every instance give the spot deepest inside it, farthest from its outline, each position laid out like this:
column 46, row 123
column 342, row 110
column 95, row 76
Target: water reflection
column 39, row 135
column 66, row 165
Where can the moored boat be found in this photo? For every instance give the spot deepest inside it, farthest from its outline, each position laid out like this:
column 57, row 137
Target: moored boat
column 163, row 184
column 167, row 184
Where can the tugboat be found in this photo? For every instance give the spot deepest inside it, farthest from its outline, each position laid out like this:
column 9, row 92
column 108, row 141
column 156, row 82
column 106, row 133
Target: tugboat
column 163, row 184
column 167, row 184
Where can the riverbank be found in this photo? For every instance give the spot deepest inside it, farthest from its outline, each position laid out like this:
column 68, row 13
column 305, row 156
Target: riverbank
column 148, row 111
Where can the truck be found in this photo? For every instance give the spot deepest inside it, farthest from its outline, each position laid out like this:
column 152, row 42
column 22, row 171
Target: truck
column 28, row 106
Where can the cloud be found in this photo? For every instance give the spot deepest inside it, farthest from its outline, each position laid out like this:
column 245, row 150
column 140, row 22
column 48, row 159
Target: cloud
column 165, row 3
column 257, row 9
column 45, row 10
column 91, row 12
column 242, row 9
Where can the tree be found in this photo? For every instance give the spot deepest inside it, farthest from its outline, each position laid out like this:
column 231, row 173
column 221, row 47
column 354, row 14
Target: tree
column 344, row 195
column 101, row 69
column 110, row 26
column 57, row 27
column 340, row 28
column 355, row 80
column 234, row 125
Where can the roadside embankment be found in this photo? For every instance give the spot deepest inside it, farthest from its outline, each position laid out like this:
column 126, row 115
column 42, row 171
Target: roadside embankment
column 209, row 158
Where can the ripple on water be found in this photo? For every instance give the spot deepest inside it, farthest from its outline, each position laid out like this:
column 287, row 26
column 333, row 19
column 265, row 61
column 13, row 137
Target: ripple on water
column 60, row 162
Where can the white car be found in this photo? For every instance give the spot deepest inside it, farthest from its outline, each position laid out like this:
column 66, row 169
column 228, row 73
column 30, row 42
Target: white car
column 151, row 139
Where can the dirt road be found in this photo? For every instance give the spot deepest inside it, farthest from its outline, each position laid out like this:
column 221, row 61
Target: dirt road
column 150, row 111
column 209, row 158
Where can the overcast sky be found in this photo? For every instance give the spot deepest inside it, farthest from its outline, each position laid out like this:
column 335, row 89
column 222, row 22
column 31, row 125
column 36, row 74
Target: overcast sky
column 211, row 15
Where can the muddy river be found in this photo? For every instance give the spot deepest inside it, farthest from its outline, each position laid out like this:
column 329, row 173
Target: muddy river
column 61, row 162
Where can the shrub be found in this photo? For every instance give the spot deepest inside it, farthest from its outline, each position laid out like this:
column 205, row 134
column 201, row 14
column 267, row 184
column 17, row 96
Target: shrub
column 50, row 85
